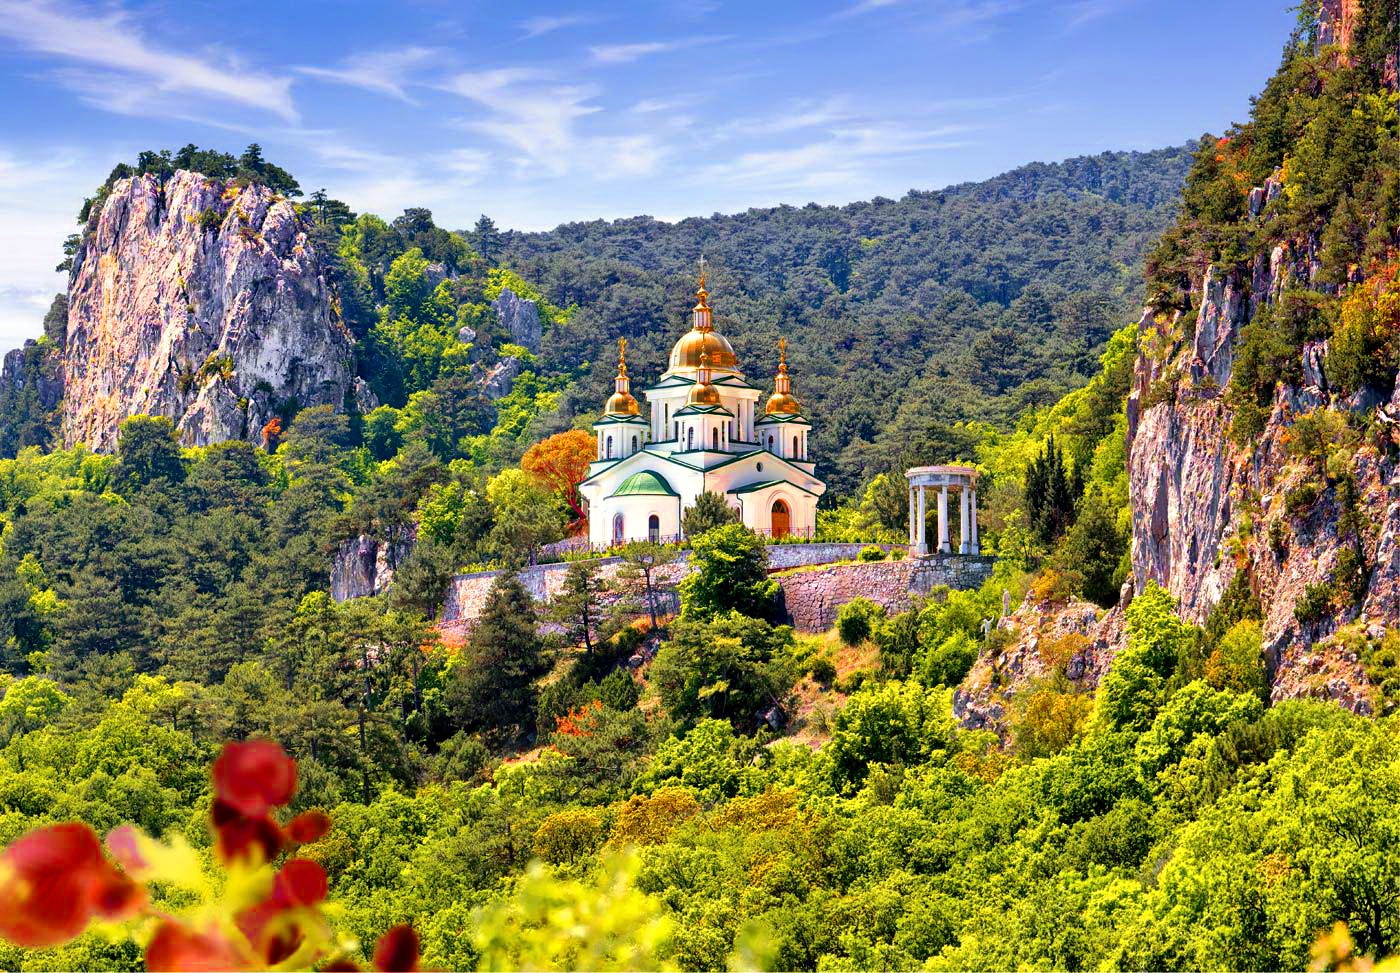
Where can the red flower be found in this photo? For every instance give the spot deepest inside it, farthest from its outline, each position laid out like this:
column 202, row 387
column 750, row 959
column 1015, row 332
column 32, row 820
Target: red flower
column 254, row 777
column 274, row 926
column 52, row 882
column 309, row 826
column 301, row 882
column 176, row 948
column 397, row 951
column 240, row 836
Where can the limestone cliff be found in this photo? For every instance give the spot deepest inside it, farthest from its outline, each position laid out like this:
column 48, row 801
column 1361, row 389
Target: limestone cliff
column 202, row 301
column 1210, row 507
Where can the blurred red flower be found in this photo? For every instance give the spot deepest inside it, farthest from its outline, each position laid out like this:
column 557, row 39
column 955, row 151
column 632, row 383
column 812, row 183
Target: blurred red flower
column 54, row 880
column 254, row 776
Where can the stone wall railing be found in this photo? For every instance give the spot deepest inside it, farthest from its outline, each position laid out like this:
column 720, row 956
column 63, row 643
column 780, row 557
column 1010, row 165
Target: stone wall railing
column 810, row 600
column 816, row 597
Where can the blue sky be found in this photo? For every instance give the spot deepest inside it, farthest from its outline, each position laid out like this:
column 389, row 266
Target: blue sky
column 540, row 113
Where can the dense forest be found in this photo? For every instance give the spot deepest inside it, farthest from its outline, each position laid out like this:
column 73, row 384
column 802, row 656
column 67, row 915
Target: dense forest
column 585, row 785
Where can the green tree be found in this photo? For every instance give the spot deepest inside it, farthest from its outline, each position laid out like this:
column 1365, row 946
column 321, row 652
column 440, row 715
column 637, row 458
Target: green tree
column 641, row 560
column 492, row 686
column 148, row 455
column 579, row 605
column 708, row 512
column 729, row 574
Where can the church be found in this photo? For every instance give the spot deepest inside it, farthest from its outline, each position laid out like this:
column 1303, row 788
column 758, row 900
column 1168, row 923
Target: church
column 705, row 432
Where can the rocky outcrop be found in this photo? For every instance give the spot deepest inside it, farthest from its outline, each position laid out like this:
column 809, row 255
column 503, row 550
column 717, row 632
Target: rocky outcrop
column 1036, row 641
column 33, row 368
column 365, row 566
column 202, row 301
column 1205, row 507
column 520, row 318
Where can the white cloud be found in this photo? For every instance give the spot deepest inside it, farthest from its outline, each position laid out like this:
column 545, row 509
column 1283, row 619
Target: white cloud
column 529, row 112
column 39, row 198
column 627, row 53
column 539, row 26
column 112, row 43
column 385, row 72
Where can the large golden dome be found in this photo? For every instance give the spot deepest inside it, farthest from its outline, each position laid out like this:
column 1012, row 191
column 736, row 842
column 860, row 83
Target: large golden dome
column 701, row 340
column 694, row 343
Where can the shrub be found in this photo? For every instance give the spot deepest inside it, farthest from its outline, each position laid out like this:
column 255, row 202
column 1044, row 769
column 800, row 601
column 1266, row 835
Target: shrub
column 857, row 620
column 1237, row 662
column 209, row 220
column 1300, row 499
column 950, row 661
column 823, row 670
column 1052, row 587
column 1349, row 577
column 871, row 552
column 1315, row 602
column 898, row 554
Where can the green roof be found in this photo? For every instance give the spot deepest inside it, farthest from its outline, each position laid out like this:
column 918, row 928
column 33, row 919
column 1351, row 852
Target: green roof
column 754, row 487
column 645, row 483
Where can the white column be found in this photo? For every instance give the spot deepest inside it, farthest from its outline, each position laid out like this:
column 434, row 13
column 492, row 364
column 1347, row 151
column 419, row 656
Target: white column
column 964, row 533
column 923, row 525
column 976, row 540
column 913, row 525
column 944, row 547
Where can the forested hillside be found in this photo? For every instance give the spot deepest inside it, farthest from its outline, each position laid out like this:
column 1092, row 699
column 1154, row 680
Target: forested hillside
column 904, row 316
column 1175, row 753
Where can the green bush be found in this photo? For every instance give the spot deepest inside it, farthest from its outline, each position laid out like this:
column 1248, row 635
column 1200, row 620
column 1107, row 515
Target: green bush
column 857, row 620
column 871, row 552
column 1300, row 499
column 1315, row 602
column 823, row 670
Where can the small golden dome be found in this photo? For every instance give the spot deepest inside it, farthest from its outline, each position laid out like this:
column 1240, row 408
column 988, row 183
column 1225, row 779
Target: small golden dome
column 621, row 404
column 703, row 393
column 781, row 402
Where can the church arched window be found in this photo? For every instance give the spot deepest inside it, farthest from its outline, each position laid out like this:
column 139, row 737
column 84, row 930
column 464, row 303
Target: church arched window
column 610, row 448
column 634, row 444
column 619, row 534
column 714, row 438
column 690, row 438
column 654, row 528
column 795, row 454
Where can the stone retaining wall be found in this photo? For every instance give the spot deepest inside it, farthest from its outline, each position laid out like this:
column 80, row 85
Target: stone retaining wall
column 466, row 595
column 811, row 599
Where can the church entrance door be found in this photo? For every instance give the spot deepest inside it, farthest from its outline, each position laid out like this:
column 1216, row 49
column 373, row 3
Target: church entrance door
column 782, row 519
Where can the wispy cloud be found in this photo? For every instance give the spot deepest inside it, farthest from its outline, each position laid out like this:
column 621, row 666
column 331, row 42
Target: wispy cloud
column 110, row 41
column 838, row 160
column 527, row 110
column 539, row 26
column 385, row 72
column 627, row 53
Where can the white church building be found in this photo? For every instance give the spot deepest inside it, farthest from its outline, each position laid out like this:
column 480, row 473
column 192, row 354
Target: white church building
column 705, row 432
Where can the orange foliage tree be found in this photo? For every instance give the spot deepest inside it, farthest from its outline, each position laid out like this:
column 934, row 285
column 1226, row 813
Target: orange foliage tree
column 559, row 464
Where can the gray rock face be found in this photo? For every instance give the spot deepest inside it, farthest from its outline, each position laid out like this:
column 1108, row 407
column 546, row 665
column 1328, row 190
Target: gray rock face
column 497, row 380
column 201, row 302
column 47, row 379
column 519, row 317
column 1217, row 328
column 365, row 566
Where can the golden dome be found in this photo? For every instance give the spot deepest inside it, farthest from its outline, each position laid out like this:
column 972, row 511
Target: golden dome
column 621, row 402
column 701, row 339
column 695, row 343
column 781, row 402
column 703, row 393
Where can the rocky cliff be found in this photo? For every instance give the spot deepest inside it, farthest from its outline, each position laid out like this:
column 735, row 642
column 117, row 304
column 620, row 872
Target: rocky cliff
column 202, row 301
column 1311, row 530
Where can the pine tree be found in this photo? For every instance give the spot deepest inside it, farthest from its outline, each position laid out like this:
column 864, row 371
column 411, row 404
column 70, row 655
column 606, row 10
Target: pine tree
column 640, row 562
column 1051, row 492
column 494, row 689
column 708, row 512
column 579, row 605
column 487, row 239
